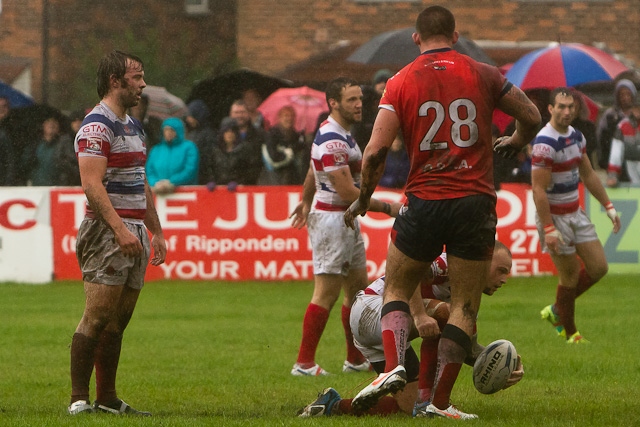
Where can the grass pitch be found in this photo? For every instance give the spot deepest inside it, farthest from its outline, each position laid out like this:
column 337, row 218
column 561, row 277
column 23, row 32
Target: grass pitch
column 219, row 354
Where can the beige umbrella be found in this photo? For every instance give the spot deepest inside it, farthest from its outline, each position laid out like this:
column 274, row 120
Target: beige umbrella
column 163, row 104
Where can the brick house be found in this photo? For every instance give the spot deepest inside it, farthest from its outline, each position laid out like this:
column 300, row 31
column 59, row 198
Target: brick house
column 59, row 42
column 273, row 35
column 56, row 43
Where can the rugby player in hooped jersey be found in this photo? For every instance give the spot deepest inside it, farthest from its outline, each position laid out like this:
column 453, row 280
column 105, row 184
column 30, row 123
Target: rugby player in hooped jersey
column 559, row 162
column 443, row 103
column 432, row 298
column 339, row 259
column 113, row 246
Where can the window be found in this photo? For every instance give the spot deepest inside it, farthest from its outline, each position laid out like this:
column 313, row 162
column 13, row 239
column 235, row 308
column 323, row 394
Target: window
column 195, row 7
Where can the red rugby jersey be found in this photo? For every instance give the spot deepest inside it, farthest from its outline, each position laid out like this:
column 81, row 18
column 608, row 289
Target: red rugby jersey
column 445, row 102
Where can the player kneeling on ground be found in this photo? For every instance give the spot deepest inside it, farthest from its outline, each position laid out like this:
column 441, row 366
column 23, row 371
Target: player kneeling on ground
column 431, row 299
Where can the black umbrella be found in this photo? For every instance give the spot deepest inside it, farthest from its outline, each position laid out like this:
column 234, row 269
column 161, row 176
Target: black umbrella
column 396, row 48
column 23, row 126
column 220, row 92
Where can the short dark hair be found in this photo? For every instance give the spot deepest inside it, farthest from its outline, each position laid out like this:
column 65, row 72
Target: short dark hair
column 335, row 86
column 499, row 246
column 113, row 64
column 565, row 91
column 435, row 21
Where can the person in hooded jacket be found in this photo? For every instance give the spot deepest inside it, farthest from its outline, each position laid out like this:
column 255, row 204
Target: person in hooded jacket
column 228, row 161
column 174, row 161
column 624, row 94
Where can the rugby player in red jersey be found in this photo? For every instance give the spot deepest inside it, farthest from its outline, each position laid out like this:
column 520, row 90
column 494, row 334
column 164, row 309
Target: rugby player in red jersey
column 443, row 104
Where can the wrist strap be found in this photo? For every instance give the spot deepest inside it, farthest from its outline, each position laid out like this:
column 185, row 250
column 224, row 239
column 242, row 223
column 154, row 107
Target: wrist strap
column 609, row 206
column 549, row 229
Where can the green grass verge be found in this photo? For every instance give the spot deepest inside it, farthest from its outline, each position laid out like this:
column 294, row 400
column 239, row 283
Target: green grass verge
column 219, row 354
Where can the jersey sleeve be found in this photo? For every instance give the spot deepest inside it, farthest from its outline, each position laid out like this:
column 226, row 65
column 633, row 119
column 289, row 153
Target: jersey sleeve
column 334, row 155
column 94, row 137
column 542, row 154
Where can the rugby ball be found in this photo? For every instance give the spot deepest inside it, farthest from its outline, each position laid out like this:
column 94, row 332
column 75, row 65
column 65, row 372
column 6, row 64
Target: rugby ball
column 494, row 366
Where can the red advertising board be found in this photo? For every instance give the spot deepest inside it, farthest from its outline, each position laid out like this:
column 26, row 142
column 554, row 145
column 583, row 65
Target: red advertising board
column 246, row 235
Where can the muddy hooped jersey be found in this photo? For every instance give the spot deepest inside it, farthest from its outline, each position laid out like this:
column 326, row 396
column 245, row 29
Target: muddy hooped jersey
column 332, row 149
column 562, row 153
column 122, row 143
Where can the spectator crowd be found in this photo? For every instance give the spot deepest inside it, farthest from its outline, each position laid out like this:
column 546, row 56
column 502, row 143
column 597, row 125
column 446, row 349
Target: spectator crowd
column 243, row 149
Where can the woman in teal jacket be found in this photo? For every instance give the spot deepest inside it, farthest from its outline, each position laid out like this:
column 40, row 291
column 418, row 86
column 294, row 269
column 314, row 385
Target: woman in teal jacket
column 174, row 161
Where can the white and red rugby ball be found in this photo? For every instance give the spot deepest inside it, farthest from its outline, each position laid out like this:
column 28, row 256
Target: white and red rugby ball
column 494, row 366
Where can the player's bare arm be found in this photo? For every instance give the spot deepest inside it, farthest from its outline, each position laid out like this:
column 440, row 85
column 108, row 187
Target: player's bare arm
column 152, row 222
column 592, row 181
column 342, row 181
column 385, row 129
column 301, row 212
column 516, row 104
column 426, row 326
column 92, row 170
column 540, row 181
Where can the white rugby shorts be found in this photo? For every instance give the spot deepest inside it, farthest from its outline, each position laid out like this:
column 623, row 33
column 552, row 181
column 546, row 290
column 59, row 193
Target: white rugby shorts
column 575, row 228
column 337, row 249
column 366, row 327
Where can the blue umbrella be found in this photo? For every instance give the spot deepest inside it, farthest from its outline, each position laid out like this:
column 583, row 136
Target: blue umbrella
column 16, row 98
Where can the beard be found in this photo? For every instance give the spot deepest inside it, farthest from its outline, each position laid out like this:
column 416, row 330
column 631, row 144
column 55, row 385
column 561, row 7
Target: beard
column 349, row 116
column 129, row 98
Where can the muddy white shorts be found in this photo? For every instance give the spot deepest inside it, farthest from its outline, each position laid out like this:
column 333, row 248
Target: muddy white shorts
column 575, row 228
column 366, row 326
column 336, row 247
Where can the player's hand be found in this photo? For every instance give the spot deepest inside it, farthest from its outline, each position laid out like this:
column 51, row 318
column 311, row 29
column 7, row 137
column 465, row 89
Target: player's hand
column 352, row 213
column 516, row 375
column 614, row 217
column 552, row 238
column 427, row 326
column 129, row 243
column 159, row 246
column 503, row 147
column 395, row 209
column 299, row 215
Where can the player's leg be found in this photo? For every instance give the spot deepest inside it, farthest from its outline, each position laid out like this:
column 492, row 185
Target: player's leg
column 594, row 267
column 354, row 282
column 107, row 356
column 439, row 310
column 326, row 291
column 100, row 309
column 470, row 243
column 467, row 280
column 326, row 240
column 568, row 266
column 403, row 274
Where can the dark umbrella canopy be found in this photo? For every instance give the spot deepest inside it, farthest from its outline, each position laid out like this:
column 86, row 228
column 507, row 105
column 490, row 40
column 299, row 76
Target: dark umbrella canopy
column 23, row 126
column 220, row 92
column 396, row 48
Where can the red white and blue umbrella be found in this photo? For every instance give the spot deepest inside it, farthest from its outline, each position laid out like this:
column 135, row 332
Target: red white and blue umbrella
column 564, row 65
